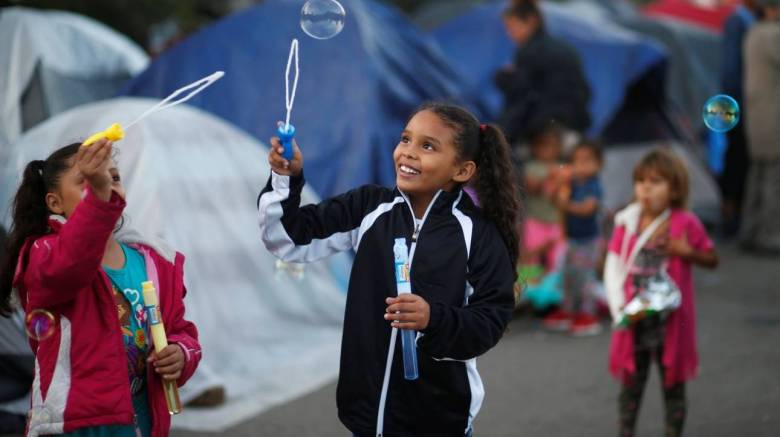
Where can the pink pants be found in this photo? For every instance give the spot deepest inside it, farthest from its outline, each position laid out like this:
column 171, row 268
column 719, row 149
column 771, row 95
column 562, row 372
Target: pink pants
column 537, row 234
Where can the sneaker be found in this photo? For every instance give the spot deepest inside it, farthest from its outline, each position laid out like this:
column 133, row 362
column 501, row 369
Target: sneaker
column 558, row 320
column 584, row 325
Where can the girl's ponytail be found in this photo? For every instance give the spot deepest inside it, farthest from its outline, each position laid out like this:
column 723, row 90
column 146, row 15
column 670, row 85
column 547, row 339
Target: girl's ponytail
column 30, row 213
column 496, row 189
column 495, row 181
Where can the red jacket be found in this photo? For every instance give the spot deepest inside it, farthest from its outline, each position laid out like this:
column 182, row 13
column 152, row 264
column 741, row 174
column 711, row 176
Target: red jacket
column 81, row 377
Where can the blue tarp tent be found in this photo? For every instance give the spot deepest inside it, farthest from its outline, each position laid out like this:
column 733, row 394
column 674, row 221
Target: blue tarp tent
column 355, row 91
column 613, row 57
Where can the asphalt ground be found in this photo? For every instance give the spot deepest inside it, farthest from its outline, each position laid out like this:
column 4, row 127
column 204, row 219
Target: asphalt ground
column 540, row 383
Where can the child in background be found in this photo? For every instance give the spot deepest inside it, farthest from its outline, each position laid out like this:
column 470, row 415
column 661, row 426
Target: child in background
column 542, row 235
column 96, row 374
column 656, row 232
column 579, row 200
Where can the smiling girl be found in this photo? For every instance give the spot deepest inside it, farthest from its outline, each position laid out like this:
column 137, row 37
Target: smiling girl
column 461, row 257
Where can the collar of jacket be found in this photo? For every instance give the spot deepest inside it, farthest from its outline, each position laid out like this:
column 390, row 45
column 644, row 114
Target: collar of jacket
column 443, row 200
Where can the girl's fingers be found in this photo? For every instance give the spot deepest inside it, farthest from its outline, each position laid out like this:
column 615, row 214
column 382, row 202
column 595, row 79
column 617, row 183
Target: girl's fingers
column 279, row 165
column 405, row 307
column 97, row 156
column 167, row 360
column 172, row 377
column 406, row 325
column 165, row 370
column 402, row 317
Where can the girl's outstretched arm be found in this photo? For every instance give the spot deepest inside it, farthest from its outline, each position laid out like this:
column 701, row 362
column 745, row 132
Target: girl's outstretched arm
column 65, row 263
column 305, row 234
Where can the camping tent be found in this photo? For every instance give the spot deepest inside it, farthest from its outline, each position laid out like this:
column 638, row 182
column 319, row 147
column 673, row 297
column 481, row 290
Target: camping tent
column 612, row 56
column 710, row 17
column 53, row 61
column 193, row 180
column 355, row 91
column 628, row 74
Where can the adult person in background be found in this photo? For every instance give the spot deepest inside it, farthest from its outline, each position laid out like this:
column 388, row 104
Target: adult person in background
column 16, row 367
column 737, row 160
column 545, row 82
column 761, row 211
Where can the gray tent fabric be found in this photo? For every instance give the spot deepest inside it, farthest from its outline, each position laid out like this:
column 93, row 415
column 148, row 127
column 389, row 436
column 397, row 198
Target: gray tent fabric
column 51, row 92
column 55, row 60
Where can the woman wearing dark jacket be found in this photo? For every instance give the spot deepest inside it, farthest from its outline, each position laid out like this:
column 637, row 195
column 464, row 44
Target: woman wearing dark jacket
column 545, row 82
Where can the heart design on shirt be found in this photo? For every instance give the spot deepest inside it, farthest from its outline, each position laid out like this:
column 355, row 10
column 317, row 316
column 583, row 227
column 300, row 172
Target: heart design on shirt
column 132, row 295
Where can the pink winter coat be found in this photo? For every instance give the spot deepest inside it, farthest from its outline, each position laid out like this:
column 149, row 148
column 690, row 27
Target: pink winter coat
column 81, row 377
column 680, row 357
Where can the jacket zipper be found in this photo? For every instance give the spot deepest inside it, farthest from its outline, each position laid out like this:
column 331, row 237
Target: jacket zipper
column 416, row 233
column 391, row 349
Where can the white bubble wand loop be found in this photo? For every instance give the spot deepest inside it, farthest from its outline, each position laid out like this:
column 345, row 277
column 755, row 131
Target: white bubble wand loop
column 115, row 132
column 289, row 99
column 199, row 86
column 286, row 131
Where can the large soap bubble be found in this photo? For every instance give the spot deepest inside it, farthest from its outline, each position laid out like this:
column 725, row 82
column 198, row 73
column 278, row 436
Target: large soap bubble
column 720, row 113
column 322, row 19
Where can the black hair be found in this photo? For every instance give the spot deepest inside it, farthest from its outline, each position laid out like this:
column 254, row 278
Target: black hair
column 30, row 213
column 486, row 145
column 524, row 9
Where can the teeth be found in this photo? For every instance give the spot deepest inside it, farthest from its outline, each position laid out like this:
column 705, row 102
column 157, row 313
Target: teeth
column 409, row 170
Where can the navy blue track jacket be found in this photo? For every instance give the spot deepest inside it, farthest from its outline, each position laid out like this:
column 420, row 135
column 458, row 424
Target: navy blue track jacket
column 460, row 266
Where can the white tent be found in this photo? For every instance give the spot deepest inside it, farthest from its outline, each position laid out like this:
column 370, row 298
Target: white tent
column 53, row 61
column 193, row 180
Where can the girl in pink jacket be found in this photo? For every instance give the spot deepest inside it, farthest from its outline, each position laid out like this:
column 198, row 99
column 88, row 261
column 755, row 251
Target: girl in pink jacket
column 96, row 374
column 654, row 244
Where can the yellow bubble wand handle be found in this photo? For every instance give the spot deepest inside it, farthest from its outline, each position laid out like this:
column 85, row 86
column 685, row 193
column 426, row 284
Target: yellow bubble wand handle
column 151, row 303
column 112, row 133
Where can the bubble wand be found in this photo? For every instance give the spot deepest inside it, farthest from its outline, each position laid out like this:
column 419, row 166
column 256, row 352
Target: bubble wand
column 403, row 286
column 151, row 303
column 285, row 130
column 115, row 131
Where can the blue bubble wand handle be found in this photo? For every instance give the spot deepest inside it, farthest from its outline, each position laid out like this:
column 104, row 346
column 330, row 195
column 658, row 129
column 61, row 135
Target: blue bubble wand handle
column 286, row 134
column 285, row 130
column 403, row 286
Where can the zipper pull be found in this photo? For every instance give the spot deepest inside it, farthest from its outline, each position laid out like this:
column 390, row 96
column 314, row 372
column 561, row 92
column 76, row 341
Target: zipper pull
column 416, row 233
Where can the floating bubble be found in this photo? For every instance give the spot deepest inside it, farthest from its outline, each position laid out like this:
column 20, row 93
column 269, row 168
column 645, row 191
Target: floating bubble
column 720, row 113
column 39, row 324
column 322, row 19
column 292, row 270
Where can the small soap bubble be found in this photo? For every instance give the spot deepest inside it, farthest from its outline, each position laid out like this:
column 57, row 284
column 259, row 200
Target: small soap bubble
column 291, row 270
column 720, row 113
column 39, row 324
column 322, row 19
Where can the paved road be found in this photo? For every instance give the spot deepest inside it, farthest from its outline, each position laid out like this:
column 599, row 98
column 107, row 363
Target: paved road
column 546, row 384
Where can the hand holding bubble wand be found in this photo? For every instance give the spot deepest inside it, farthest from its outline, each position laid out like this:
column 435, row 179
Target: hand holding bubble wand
column 403, row 286
column 160, row 341
column 115, row 131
